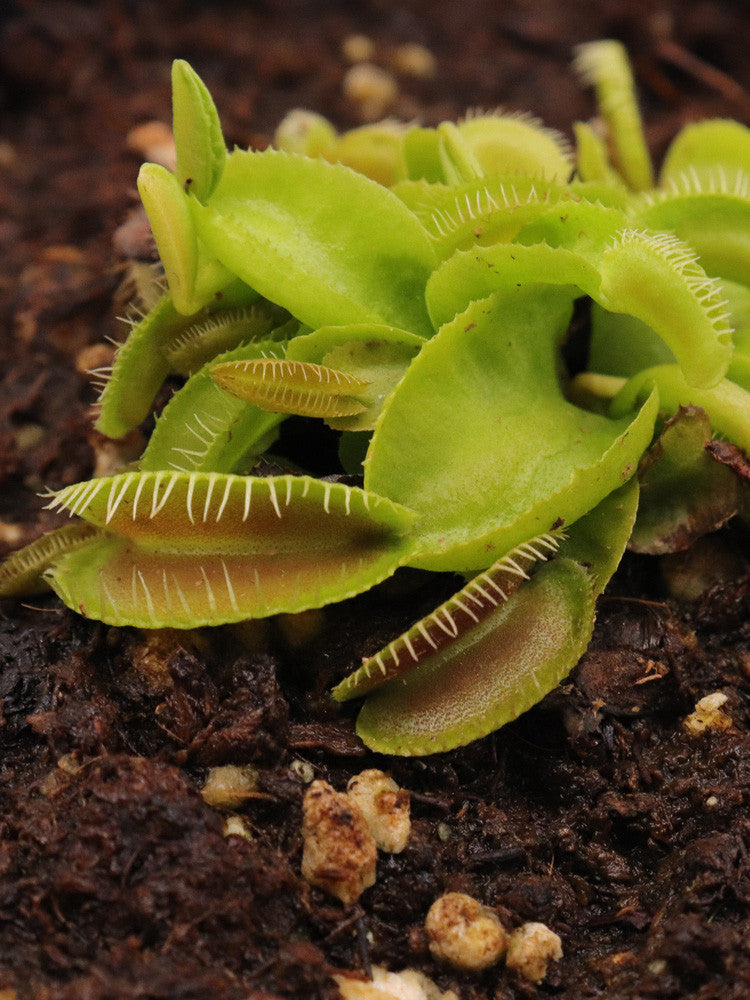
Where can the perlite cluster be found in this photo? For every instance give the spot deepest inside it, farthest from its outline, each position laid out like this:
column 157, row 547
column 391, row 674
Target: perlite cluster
column 468, row 936
column 343, row 831
column 412, row 288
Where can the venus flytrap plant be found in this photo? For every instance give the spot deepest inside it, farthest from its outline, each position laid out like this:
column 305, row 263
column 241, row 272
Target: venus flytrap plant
column 424, row 323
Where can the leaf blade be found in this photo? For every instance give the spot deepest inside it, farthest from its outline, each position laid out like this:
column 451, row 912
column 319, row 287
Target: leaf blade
column 502, row 454
column 201, row 153
column 319, row 239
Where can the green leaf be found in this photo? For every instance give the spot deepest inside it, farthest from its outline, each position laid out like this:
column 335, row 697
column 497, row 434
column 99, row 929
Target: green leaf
column 487, row 145
column 140, row 367
column 195, row 277
column 491, row 674
column 201, row 153
column 738, row 304
column 168, row 212
column 422, row 155
column 456, row 155
column 205, row 548
column 623, row 345
column 480, row 441
column 592, row 158
column 653, row 277
column 328, row 244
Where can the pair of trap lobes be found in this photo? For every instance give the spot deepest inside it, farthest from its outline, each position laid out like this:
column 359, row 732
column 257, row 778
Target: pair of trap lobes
column 295, row 387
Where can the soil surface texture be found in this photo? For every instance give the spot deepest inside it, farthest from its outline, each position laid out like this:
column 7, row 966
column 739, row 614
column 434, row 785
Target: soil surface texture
column 596, row 813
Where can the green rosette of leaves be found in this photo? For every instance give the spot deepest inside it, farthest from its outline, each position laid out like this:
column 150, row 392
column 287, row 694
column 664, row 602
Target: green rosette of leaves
column 423, row 324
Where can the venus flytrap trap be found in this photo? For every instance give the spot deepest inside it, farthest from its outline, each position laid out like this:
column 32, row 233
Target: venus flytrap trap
column 377, row 354
column 412, row 288
column 221, row 331
column 326, row 243
column 22, row 572
column 286, row 386
column 704, row 147
column 204, row 429
column 460, row 613
column 186, row 549
column 490, row 673
column 164, row 341
column 496, row 469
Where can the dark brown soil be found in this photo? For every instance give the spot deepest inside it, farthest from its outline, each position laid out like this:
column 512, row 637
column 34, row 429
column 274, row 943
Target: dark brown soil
column 595, row 813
